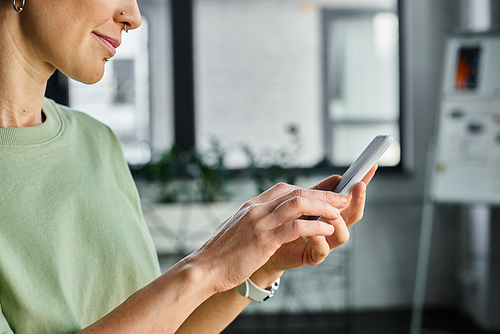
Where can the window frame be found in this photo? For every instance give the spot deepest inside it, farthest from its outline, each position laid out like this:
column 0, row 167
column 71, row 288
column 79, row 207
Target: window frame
column 184, row 108
column 329, row 12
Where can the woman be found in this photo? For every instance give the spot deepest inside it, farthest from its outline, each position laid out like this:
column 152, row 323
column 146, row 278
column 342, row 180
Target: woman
column 75, row 254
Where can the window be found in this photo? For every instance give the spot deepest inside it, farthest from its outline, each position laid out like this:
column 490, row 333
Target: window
column 271, row 81
column 362, row 86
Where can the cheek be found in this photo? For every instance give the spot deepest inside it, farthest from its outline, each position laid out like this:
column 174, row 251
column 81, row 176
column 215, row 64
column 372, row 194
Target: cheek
column 77, row 58
column 48, row 35
column 59, row 33
column 72, row 49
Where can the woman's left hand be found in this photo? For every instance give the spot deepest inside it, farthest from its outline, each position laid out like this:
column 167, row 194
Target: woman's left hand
column 300, row 252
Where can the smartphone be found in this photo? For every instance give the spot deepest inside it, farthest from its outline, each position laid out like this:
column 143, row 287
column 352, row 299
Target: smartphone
column 362, row 165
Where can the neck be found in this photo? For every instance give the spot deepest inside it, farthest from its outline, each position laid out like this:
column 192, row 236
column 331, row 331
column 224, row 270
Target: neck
column 22, row 78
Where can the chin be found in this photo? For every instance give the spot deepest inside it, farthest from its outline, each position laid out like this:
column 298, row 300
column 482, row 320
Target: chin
column 88, row 77
column 92, row 79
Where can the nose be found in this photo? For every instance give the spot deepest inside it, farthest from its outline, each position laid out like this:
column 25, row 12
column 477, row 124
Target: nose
column 129, row 14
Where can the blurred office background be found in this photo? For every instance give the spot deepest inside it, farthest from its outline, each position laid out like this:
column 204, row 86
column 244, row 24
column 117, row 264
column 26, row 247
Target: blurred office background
column 255, row 91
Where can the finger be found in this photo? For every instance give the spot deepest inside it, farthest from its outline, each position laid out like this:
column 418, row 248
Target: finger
column 340, row 236
column 318, row 250
column 355, row 211
column 294, row 229
column 336, row 200
column 270, row 215
column 329, row 183
column 272, row 193
column 368, row 177
column 304, row 203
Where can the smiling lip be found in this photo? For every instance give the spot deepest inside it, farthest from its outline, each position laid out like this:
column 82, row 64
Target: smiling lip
column 109, row 42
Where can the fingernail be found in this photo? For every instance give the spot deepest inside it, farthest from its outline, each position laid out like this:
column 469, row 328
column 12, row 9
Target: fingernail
column 331, row 229
column 343, row 199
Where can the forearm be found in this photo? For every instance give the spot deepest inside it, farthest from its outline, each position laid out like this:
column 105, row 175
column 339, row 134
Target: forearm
column 217, row 312
column 160, row 307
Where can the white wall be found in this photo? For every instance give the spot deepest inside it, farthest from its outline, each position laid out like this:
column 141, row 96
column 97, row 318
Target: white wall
column 257, row 69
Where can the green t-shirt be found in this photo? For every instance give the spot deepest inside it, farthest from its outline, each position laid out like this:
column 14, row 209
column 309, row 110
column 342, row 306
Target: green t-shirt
column 73, row 242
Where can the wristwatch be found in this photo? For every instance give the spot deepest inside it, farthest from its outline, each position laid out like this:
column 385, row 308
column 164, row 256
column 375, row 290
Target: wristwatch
column 251, row 290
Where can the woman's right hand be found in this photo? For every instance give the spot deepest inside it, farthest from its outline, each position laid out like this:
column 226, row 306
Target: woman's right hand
column 245, row 241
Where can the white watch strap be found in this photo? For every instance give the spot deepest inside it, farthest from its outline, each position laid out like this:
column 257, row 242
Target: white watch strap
column 251, row 290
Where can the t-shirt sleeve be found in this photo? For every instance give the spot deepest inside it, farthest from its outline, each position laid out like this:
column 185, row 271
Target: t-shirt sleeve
column 4, row 325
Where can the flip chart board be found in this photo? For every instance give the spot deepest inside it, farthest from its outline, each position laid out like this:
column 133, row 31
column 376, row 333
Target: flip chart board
column 467, row 154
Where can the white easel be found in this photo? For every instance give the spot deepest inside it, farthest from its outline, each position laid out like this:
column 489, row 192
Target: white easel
column 462, row 161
